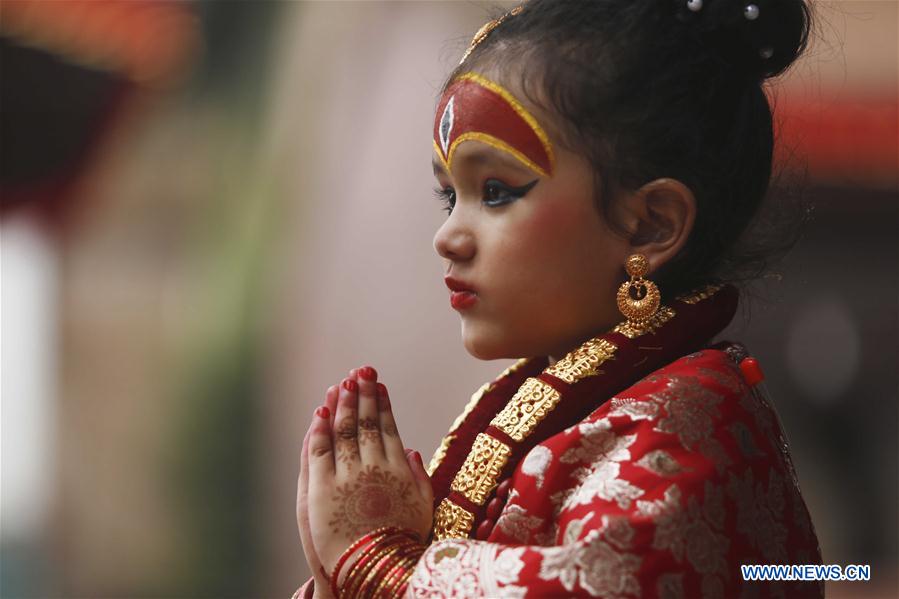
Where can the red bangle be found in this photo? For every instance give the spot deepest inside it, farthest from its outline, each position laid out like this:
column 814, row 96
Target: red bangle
column 396, row 578
column 389, row 568
column 357, row 579
column 384, row 530
column 376, row 552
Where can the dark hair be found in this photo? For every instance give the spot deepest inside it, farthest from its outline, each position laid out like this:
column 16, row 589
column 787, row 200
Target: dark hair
column 650, row 88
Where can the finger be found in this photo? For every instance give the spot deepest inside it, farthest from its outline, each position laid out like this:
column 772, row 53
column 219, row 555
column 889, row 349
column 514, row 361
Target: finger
column 422, row 480
column 303, row 506
column 370, row 447
column 320, row 450
column 346, row 444
column 390, row 438
column 331, row 402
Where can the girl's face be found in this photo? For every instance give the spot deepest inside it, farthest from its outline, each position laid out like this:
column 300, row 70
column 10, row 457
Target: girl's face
column 523, row 232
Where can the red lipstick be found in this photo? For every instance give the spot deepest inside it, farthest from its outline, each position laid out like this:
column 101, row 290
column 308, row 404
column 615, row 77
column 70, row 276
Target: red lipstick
column 463, row 295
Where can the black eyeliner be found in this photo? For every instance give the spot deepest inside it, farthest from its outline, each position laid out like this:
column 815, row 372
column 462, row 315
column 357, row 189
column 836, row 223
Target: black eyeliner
column 517, row 191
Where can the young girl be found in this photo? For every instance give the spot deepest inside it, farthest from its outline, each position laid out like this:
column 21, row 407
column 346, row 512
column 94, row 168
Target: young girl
column 599, row 160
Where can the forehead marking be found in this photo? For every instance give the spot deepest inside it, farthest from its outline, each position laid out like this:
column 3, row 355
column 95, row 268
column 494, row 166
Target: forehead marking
column 446, row 126
column 499, row 114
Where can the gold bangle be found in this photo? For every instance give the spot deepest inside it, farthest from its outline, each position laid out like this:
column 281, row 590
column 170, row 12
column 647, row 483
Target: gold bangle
column 379, row 549
column 383, row 558
column 369, row 559
column 402, row 571
column 395, row 567
column 404, row 579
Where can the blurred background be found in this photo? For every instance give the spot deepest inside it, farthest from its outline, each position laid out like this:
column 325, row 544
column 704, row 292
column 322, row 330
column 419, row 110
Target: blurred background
column 211, row 211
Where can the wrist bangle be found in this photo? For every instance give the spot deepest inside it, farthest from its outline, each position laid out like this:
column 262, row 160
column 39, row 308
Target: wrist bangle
column 397, row 576
column 390, row 568
column 380, row 551
column 357, row 582
column 368, row 538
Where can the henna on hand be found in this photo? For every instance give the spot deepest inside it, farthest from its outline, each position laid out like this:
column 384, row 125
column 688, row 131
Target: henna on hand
column 346, row 445
column 369, row 431
column 376, row 498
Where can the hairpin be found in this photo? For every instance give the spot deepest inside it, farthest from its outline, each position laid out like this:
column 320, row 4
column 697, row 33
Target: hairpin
column 484, row 31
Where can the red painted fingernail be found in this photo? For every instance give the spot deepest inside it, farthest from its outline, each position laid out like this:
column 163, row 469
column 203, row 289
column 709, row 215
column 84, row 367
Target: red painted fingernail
column 323, row 412
column 350, row 385
column 383, row 397
column 418, row 457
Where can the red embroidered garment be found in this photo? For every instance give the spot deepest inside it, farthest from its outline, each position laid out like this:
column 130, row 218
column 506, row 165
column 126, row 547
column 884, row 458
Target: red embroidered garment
column 657, row 473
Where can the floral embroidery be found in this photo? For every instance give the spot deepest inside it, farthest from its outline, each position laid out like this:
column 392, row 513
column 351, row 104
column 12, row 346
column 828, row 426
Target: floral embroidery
column 536, row 462
column 670, row 586
column 743, row 436
column 732, row 380
column 761, row 413
column 515, row 521
column 602, row 481
column 617, row 531
column 684, row 408
column 692, row 533
column 760, row 513
column 660, row 463
column 692, row 411
column 549, row 536
column 595, row 566
column 579, row 524
column 634, row 409
column 602, row 450
column 598, row 441
column 457, row 568
column 575, row 529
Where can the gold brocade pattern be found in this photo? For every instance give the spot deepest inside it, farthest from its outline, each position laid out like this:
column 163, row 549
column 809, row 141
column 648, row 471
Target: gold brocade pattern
column 451, row 521
column 487, row 387
column 478, row 475
column 583, row 361
column 701, row 294
column 530, row 404
column 440, row 453
column 631, row 331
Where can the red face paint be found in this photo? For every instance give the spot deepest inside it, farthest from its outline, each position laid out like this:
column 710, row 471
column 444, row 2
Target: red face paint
column 473, row 107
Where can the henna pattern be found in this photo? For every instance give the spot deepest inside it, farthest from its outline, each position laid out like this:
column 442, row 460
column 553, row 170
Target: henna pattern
column 390, row 429
column 347, row 453
column 376, row 498
column 345, row 438
column 369, row 431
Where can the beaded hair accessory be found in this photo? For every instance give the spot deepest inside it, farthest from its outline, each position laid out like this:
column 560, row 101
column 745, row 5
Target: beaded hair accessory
column 715, row 13
column 484, row 31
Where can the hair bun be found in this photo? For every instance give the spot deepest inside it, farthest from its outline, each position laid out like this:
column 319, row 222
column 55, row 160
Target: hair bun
column 761, row 38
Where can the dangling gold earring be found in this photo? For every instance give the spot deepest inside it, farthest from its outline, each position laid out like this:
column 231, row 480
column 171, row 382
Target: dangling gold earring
column 641, row 309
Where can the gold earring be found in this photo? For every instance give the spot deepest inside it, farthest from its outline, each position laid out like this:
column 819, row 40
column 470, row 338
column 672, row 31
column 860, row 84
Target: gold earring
column 640, row 309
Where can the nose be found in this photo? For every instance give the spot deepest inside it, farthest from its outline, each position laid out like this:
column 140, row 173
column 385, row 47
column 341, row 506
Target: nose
column 454, row 241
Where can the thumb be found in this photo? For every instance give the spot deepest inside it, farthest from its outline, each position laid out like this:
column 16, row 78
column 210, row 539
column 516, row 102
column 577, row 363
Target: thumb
column 422, row 480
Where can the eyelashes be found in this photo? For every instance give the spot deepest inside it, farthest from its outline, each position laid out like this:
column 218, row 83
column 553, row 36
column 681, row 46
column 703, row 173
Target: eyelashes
column 447, row 197
column 496, row 193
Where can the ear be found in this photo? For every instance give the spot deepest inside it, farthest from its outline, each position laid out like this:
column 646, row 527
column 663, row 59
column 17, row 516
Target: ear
column 664, row 211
